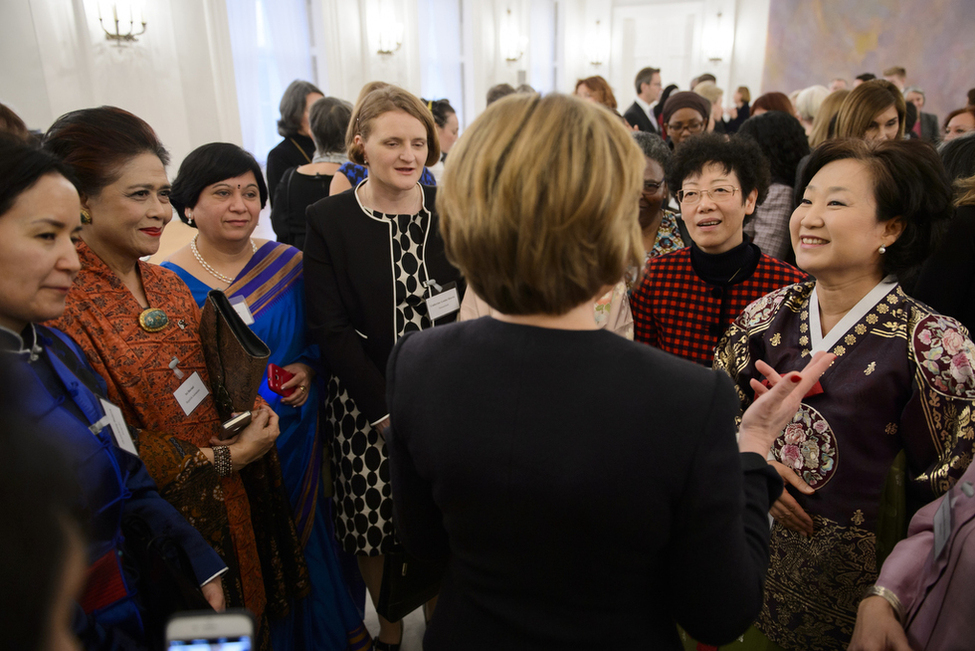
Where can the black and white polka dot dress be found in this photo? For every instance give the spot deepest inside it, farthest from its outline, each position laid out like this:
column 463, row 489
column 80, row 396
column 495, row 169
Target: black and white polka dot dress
column 360, row 469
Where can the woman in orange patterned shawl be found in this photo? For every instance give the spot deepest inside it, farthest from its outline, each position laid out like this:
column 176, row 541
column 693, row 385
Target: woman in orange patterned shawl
column 138, row 325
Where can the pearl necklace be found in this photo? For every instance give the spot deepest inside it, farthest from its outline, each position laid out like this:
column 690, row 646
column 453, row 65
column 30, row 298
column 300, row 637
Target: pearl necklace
column 210, row 270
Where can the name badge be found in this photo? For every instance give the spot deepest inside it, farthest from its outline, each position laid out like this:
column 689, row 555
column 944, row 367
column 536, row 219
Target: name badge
column 442, row 301
column 120, row 431
column 240, row 306
column 191, row 393
column 942, row 525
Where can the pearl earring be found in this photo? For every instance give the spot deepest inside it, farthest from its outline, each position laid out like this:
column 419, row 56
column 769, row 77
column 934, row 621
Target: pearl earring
column 189, row 218
column 883, row 249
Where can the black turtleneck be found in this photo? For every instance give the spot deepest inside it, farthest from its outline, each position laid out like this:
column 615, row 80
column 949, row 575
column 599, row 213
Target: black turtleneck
column 728, row 268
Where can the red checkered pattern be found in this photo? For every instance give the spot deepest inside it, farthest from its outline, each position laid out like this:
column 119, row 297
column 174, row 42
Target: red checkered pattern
column 674, row 310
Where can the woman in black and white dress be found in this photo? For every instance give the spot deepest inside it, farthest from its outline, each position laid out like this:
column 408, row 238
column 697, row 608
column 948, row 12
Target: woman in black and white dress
column 370, row 254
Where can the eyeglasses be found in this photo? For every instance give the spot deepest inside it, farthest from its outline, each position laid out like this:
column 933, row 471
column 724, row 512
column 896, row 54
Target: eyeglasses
column 717, row 195
column 651, row 187
column 692, row 127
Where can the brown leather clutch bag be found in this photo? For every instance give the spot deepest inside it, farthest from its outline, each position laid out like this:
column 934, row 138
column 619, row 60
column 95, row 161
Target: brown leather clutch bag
column 235, row 357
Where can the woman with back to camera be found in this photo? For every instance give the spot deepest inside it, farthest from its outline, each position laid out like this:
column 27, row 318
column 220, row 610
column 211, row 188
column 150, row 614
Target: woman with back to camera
column 60, row 393
column 518, row 503
column 783, row 141
column 373, row 257
column 297, row 148
column 888, row 427
column 874, row 110
column 139, row 328
column 773, row 101
column 220, row 192
column 302, row 186
column 445, row 117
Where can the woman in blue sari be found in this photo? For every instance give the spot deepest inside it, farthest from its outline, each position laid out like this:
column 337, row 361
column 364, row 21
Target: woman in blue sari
column 219, row 190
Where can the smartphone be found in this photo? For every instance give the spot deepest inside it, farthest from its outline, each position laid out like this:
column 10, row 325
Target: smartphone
column 237, row 423
column 276, row 378
column 200, row 630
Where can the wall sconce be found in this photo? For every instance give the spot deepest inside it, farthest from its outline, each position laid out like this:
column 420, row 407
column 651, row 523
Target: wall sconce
column 598, row 45
column 719, row 37
column 512, row 43
column 388, row 30
column 122, row 14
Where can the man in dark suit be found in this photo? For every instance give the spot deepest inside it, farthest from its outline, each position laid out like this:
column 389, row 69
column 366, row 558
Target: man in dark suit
column 648, row 88
column 927, row 123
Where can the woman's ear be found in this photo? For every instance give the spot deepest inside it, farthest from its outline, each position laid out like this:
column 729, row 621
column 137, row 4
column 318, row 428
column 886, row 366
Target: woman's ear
column 893, row 229
column 750, row 201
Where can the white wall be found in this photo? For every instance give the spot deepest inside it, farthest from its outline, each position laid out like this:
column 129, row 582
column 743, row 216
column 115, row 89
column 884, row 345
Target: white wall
column 178, row 76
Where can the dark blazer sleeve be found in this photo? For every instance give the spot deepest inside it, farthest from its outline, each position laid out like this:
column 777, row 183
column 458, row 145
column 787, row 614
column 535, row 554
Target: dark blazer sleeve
column 281, row 220
column 636, row 117
column 330, row 323
column 719, row 553
column 419, row 522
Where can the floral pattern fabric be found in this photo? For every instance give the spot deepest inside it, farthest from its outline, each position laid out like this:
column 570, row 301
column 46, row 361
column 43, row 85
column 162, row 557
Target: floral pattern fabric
column 894, row 391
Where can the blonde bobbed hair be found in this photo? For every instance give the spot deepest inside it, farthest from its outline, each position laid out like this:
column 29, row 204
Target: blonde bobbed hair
column 864, row 103
column 539, row 202
column 384, row 99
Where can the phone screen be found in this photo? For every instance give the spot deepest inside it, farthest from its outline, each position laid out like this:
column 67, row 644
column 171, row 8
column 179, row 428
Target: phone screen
column 213, row 644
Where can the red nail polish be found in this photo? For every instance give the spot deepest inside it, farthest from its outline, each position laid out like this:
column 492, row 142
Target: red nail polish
column 796, row 379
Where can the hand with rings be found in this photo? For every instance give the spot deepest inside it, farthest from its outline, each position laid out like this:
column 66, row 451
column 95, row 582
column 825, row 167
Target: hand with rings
column 303, row 376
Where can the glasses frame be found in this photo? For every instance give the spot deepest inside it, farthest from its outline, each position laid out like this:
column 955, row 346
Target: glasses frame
column 681, row 193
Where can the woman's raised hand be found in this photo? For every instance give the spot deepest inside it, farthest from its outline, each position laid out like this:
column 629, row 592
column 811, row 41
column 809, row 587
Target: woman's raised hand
column 773, row 408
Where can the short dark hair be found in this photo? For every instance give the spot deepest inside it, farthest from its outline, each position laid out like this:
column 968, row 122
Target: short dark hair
column 782, row 139
column 498, row 91
column 655, row 148
column 958, row 156
column 645, row 76
column 866, row 76
column 329, row 120
column 441, row 110
column 707, row 76
column 909, row 182
column 211, row 164
column 738, row 155
column 21, row 166
column 971, row 96
column 97, row 142
column 895, row 71
column 292, row 106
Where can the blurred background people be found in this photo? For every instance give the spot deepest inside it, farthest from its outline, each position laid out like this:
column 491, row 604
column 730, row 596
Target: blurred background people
column 304, row 185
column 959, row 122
column 783, row 142
column 445, row 117
column 874, row 110
column 807, row 105
column 297, row 148
column 648, row 91
column 685, row 115
column 926, row 126
column 596, row 89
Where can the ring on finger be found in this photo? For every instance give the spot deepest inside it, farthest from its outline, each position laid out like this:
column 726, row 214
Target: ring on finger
column 303, row 389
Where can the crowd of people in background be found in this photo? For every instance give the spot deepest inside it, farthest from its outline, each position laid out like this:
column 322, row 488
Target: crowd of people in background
column 493, row 344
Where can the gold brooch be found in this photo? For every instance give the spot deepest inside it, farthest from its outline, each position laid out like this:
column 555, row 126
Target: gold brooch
column 153, row 319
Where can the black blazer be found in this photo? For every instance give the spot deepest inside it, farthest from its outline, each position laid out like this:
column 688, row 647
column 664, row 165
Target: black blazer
column 636, row 117
column 291, row 152
column 349, row 295
column 930, row 130
column 584, row 488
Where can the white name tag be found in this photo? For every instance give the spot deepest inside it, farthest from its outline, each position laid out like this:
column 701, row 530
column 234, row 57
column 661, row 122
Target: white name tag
column 191, row 393
column 942, row 525
column 442, row 304
column 120, row 430
column 240, row 306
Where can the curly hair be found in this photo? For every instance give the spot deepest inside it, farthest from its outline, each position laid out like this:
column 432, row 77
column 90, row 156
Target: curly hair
column 909, row 182
column 655, row 148
column 783, row 141
column 739, row 155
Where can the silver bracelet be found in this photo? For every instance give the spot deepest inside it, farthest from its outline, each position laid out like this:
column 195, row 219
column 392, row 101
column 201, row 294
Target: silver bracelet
column 221, row 460
column 889, row 596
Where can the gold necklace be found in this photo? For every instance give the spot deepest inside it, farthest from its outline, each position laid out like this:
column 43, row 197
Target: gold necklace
column 210, row 270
